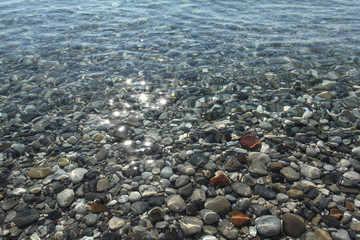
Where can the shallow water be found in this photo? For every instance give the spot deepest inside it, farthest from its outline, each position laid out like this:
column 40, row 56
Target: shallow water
column 241, row 40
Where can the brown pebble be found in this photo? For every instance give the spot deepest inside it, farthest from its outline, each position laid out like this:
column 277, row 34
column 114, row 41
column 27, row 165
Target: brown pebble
column 336, row 213
column 220, row 180
column 276, row 167
column 239, row 219
column 249, row 141
column 349, row 206
column 243, row 159
column 98, row 138
column 320, row 234
column 97, row 207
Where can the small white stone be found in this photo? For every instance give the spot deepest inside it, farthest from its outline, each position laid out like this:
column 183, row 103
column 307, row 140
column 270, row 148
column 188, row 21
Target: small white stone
column 115, row 223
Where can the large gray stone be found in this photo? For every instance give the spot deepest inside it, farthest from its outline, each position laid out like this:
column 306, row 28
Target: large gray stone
column 241, row 188
column 26, row 218
column 191, row 225
column 268, row 225
column 175, row 203
column 65, row 197
column 219, row 204
column 310, row 171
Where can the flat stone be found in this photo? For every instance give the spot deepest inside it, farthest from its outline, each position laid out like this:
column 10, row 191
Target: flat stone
column 293, row 225
column 62, row 162
column 266, row 126
column 258, row 167
column 191, row 225
column 26, row 218
column 352, row 176
column 156, row 214
column 330, row 221
column 290, row 173
column 41, row 171
column 220, row 180
column 320, row 234
column 268, row 225
column 355, row 224
column 175, row 203
column 102, row 185
column 239, row 219
column 228, row 230
column 250, row 142
column 8, row 204
column 167, row 141
column 198, row 159
column 241, row 189
column 310, row 171
column 139, row 207
column 198, row 196
column 209, row 216
column 219, row 204
column 77, row 175
column 233, row 164
column 65, row 197
column 295, row 193
column 182, row 181
column 282, row 197
column 340, row 234
column 116, row 223
column 264, row 192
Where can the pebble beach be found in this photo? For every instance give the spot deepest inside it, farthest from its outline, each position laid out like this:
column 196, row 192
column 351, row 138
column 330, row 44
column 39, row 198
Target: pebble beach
column 120, row 121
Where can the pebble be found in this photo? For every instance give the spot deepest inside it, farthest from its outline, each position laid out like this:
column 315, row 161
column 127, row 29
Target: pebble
column 241, row 189
column 90, row 219
column 116, row 223
column 290, row 173
column 166, row 172
column 268, row 225
column 219, row 204
column 175, row 203
column 209, row 216
column 26, row 217
column 40, row 171
column 65, row 197
column 321, row 234
column 191, row 225
column 293, row 225
column 264, row 192
column 77, row 175
column 258, row 167
column 340, row 234
column 310, row 171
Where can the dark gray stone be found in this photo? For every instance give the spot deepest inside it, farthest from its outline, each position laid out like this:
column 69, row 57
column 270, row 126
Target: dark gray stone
column 264, row 192
column 26, row 218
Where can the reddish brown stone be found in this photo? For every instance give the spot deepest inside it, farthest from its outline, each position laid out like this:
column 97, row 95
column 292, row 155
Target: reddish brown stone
column 220, row 180
column 349, row 206
column 243, row 159
column 336, row 213
column 250, row 142
column 97, row 207
column 239, row 219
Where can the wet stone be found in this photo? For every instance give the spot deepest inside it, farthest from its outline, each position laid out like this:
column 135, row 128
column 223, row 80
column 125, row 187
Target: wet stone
column 239, row 219
column 293, row 225
column 258, row 167
column 330, row 221
column 264, row 192
column 295, row 193
column 320, row 234
column 175, row 203
column 227, row 229
column 241, row 189
column 166, row 172
column 8, row 204
column 77, row 174
column 198, row 159
column 268, row 225
column 90, row 219
column 219, row 204
column 290, row 173
column 209, row 216
column 26, row 218
column 310, row 171
column 40, row 171
column 191, row 225
column 102, row 185
column 102, row 154
column 116, row 223
column 340, row 234
column 66, row 197
column 139, row 207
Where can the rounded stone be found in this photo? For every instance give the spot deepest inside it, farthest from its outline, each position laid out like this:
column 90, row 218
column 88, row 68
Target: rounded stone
column 311, row 152
column 295, row 193
column 268, row 225
column 65, row 197
column 282, row 197
column 293, row 225
column 241, row 189
column 116, row 223
column 175, row 203
column 102, row 185
column 77, row 175
column 26, row 218
column 219, row 204
column 166, row 172
column 191, row 225
column 134, row 196
column 340, row 234
column 209, row 216
column 90, row 219
column 320, row 234
column 266, row 126
column 62, row 162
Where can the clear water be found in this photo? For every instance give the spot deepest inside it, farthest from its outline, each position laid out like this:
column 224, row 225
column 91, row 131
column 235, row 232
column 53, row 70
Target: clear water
column 108, row 38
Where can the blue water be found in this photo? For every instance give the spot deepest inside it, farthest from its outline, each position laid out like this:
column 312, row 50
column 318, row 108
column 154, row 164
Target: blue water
column 108, row 38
